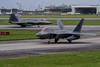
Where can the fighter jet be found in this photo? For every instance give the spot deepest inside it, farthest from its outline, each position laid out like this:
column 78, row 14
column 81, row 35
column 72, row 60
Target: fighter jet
column 27, row 22
column 62, row 33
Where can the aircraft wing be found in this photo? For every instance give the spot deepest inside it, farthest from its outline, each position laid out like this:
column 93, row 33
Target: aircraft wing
column 35, row 21
column 74, row 33
column 87, row 34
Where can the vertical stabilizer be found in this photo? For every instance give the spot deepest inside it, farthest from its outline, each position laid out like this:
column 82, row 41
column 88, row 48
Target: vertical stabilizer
column 60, row 24
column 13, row 18
column 79, row 26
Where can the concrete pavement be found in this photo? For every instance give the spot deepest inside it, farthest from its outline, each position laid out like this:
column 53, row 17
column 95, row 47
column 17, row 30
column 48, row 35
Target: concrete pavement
column 96, row 27
column 34, row 47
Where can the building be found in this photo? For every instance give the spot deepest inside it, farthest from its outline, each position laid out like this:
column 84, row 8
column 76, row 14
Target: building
column 73, row 9
column 98, row 10
column 57, row 9
column 85, row 9
column 9, row 11
column 5, row 11
column 22, row 12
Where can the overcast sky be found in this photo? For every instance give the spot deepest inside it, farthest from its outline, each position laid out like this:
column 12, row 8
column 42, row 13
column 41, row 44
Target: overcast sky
column 33, row 4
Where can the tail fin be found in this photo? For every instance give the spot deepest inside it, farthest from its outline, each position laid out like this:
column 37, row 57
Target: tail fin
column 60, row 24
column 13, row 18
column 79, row 26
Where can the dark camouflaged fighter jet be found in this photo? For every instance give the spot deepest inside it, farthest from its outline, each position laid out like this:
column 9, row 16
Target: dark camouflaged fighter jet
column 62, row 33
column 27, row 22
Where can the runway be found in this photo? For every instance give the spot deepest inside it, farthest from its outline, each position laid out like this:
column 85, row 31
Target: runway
column 68, row 27
column 38, row 47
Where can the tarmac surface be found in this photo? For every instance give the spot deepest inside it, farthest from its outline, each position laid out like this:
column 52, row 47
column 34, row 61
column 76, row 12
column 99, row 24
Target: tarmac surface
column 68, row 27
column 38, row 47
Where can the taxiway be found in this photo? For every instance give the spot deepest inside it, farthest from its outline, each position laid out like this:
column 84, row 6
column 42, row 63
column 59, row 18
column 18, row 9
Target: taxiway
column 68, row 27
column 37, row 47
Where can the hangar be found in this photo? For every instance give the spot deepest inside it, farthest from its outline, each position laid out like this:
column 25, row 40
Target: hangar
column 73, row 9
column 85, row 9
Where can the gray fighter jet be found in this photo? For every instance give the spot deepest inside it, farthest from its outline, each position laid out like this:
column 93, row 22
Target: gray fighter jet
column 27, row 22
column 62, row 33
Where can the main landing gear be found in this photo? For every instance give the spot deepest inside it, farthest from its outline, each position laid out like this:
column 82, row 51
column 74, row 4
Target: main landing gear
column 56, row 40
column 69, row 41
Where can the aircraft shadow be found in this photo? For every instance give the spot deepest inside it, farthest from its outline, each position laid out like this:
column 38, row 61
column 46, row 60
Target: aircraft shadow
column 66, row 43
column 26, row 27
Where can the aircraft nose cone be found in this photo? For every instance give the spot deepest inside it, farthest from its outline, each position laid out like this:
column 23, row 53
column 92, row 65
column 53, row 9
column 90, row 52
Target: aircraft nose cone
column 37, row 34
column 41, row 35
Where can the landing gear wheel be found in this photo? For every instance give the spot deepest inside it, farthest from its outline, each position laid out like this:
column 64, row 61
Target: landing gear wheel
column 56, row 40
column 69, row 41
column 38, row 26
column 23, row 25
column 48, row 42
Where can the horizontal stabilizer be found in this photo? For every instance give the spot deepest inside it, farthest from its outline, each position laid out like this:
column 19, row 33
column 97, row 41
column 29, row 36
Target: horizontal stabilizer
column 88, row 34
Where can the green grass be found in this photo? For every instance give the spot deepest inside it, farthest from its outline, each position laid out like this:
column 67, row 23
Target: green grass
column 74, row 22
column 18, row 34
column 65, row 16
column 86, row 22
column 66, row 22
column 84, row 59
column 4, row 22
column 57, row 16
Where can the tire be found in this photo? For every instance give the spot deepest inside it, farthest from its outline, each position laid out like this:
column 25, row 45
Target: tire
column 69, row 41
column 23, row 25
column 56, row 40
